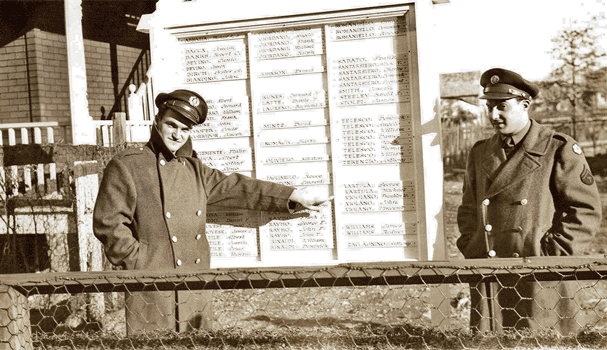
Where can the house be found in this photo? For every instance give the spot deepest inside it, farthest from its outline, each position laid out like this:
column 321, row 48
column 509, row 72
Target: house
column 34, row 68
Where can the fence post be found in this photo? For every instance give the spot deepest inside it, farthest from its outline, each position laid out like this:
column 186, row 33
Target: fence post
column 119, row 119
column 90, row 250
column 15, row 332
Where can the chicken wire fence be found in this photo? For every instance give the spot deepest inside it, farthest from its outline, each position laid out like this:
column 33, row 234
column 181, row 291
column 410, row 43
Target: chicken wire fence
column 377, row 305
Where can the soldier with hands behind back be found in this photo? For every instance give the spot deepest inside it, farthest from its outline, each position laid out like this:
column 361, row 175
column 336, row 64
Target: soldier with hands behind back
column 528, row 191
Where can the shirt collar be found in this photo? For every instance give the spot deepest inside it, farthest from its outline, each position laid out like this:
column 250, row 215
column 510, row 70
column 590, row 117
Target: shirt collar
column 520, row 135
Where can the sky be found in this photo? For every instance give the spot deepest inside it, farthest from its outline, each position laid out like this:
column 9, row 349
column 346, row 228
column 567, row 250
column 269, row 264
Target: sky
column 512, row 34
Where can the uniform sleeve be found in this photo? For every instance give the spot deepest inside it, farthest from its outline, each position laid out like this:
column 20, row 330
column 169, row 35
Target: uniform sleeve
column 240, row 191
column 113, row 215
column 468, row 210
column 577, row 203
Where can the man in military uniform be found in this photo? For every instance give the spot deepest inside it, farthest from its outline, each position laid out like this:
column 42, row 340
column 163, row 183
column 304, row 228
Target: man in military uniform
column 528, row 191
column 150, row 212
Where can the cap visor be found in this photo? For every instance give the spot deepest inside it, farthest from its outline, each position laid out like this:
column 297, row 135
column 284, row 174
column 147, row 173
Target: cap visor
column 186, row 114
column 497, row 96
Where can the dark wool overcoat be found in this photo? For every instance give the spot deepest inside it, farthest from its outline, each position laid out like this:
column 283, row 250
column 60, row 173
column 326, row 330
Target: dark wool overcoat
column 543, row 201
column 150, row 214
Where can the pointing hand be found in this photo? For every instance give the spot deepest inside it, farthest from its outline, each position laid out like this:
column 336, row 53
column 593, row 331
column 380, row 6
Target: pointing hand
column 308, row 199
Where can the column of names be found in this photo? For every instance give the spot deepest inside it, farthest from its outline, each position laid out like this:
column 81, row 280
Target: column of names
column 376, row 139
column 214, row 61
column 232, row 234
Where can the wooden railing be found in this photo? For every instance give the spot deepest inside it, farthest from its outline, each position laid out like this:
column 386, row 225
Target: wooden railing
column 141, row 99
column 41, row 178
column 119, row 130
column 137, row 76
column 133, row 125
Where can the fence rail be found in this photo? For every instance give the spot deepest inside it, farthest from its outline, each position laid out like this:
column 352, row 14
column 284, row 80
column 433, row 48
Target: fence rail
column 379, row 303
column 355, row 274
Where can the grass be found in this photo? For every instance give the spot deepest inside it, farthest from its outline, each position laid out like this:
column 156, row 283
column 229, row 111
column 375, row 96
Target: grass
column 363, row 337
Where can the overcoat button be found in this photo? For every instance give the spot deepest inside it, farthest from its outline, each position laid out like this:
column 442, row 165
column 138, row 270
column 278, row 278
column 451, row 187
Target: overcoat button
column 199, row 212
column 198, row 237
column 515, row 255
column 488, row 228
column 168, row 215
column 524, row 202
column 178, row 262
column 162, row 162
column 174, row 239
column 492, row 253
column 486, row 202
column 197, row 261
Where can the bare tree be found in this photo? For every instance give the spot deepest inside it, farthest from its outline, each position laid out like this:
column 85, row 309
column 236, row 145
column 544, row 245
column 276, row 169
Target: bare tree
column 580, row 54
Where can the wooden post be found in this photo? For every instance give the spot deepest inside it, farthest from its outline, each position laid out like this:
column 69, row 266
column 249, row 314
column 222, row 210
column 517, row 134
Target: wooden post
column 83, row 130
column 119, row 119
column 15, row 332
column 87, row 186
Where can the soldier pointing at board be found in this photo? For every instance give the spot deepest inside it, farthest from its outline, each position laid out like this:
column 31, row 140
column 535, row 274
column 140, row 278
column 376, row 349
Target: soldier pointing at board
column 151, row 211
column 528, row 191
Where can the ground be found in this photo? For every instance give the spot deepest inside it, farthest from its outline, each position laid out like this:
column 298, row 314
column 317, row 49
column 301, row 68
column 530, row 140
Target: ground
column 366, row 317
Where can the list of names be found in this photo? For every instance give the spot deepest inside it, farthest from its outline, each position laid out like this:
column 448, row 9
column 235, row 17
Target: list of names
column 367, row 30
column 306, row 179
column 379, row 139
column 380, row 196
column 289, row 101
column 312, row 232
column 285, row 44
column 227, row 117
column 371, row 80
column 227, row 160
column 215, row 61
column 232, row 234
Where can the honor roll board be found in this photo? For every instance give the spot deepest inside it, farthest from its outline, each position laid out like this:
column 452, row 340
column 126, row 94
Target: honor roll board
column 330, row 106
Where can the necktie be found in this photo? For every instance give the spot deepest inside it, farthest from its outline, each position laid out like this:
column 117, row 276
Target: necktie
column 508, row 145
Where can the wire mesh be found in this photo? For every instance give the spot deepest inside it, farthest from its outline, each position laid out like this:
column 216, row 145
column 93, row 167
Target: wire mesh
column 384, row 305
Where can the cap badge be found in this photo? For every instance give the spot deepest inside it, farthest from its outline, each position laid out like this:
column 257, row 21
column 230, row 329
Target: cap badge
column 194, row 101
column 577, row 149
column 495, row 79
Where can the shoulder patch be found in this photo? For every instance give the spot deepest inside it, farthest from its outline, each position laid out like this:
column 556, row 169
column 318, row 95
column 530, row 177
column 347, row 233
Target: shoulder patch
column 577, row 149
column 586, row 176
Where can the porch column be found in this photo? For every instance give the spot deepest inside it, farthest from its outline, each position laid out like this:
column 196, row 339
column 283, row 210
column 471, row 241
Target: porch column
column 83, row 131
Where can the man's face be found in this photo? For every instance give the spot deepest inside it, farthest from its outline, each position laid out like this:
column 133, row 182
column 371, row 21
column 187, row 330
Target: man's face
column 508, row 116
column 174, row 130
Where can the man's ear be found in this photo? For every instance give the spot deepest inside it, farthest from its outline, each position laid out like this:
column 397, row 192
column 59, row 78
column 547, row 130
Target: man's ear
column 526, row 104
column 159, row 116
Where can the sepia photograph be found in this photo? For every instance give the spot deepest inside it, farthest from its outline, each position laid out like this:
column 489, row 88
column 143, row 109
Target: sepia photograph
column 347, row 174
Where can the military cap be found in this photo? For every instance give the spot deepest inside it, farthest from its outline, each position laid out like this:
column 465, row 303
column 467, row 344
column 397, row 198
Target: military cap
column 502, row 84
column 185, row 102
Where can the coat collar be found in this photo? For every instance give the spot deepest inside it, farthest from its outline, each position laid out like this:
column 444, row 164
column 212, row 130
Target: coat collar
column 156, row 144
column 524, row 161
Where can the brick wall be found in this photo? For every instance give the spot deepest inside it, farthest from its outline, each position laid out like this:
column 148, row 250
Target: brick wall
column 49, row 74
column 48, row 78
column 99, row 74
column 14, row 101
